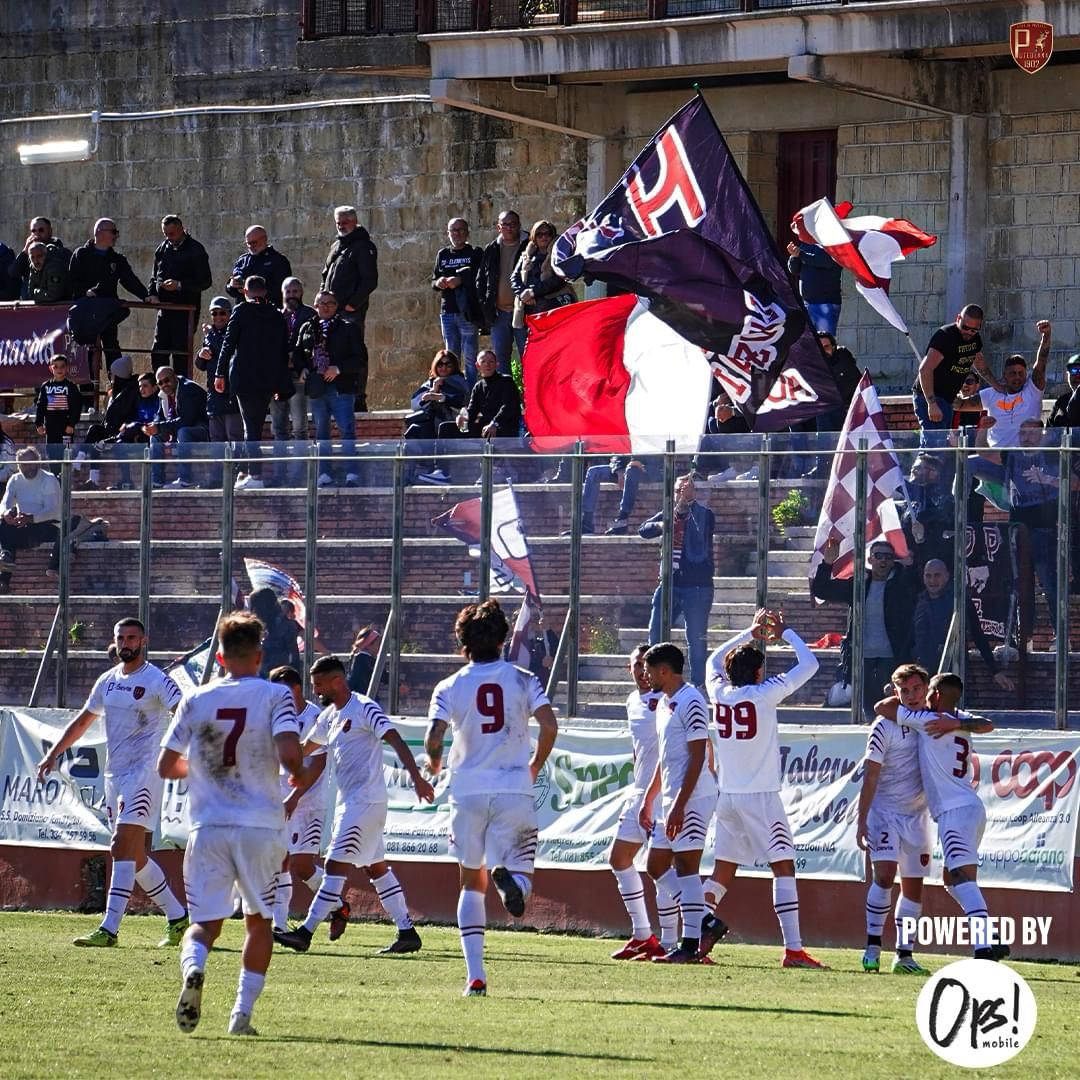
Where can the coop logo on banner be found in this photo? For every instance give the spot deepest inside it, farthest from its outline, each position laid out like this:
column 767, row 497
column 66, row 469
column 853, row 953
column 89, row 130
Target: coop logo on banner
column 976, row 1013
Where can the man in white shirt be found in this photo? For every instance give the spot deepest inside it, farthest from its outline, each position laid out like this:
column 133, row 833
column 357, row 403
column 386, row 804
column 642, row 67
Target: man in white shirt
column 229, row 740
column 487, row 705
column 136, row 700
column 29, row 513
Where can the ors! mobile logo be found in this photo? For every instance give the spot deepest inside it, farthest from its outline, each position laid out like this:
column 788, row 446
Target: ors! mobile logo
column 976, row 1013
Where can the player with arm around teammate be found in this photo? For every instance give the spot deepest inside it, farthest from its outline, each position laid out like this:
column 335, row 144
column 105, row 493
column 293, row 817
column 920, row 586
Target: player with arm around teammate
column 687, row 789
column 353, row 728
column 304, row 811
column 136, row 698
column 751, row 822
column 230, row 740
column 894, row 824
column 487, row 705
column 945, row 750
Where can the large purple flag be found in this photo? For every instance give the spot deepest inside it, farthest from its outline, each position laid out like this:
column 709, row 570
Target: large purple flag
column 682, row 229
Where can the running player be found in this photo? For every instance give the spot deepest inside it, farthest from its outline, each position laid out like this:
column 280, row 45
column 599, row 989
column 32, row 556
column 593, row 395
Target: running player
column 487, row 704
column 945, row 764
column 894, row 825
column 304, row 811
column 136, row 699
column 751, row 822
column 353, row 728
column 630, row 836
column 229, row 740
column 688, row 800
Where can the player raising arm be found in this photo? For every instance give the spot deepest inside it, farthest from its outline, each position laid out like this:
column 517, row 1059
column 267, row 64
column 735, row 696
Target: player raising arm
column 487, row 705
column 137, row 699
column 229, row 740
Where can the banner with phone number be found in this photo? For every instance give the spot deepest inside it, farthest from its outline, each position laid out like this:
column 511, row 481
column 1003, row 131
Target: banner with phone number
column 1027, row 781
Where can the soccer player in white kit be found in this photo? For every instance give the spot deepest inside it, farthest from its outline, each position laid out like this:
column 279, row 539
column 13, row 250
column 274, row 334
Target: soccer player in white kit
column 304, row 810
column 945, row 750
column 487, row 704
column 894, row 825
column 353, row 728
column 630, row 836
column 136, row 699
column 229, row 740
column 751, row 822
column 687, row 789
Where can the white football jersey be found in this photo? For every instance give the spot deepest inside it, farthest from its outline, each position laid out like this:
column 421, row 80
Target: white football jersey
column 945, row 763
column 682, row 719
column 354, row 734
column 488, row 707
column 747, row 741
column 314, row 794
column 641, row 714
column 896, row 749
column 226, row 731
column 137, row 710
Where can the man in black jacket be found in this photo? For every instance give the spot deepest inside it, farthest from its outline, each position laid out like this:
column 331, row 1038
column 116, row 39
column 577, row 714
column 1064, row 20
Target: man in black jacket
column 253, row 362
column 351, row 273
column 454, row 278
column 494, row 291
column 293, row 412
column 887, row 628
column 261, row 260
column 57, row 257
column 181, row 419
column 97, row 269
column 181, row 274
column 493, row 412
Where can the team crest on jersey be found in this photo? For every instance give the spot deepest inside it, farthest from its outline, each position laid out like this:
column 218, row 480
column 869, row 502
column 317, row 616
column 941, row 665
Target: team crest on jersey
column 138, row 692
column 924, row 859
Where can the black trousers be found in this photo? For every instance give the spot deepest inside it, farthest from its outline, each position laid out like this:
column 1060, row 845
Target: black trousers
column 172, row 345
column 253, row 410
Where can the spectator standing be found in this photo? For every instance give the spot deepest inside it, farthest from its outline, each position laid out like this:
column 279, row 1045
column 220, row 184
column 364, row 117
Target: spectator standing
column 439, row 398
column 252, row 366
column 10, row 284
column 536, row 285
column 1062, row 415
column 928, row 516
column 181, row 275
column 260, row 260
column 495, row 292
column 365, row 648
column 279, row 646
column 820, row 283
column 224, row 422
column 29, row 514
column 887, row 614
column 97, row 269
column 58, row 407
column 691, row 572
column 293, row 412
column 57, row 256
column 181, row 420
column 351, row 273
column 954, row 350
column 454, row 279
column 46, row 282
column 331, row 349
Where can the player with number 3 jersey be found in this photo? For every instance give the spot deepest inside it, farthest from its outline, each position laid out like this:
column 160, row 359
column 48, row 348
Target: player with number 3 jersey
column 751, row 823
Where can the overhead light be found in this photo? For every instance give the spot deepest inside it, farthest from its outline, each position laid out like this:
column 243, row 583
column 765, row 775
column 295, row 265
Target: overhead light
column 54, row 152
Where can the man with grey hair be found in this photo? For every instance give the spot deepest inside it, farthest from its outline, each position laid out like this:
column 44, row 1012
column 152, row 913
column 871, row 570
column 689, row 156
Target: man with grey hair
column 454, row 278
column 351, row 273
column 29, row 513
column 262, row 259
column 181, row 275
column 46, row 280
column 56, row 261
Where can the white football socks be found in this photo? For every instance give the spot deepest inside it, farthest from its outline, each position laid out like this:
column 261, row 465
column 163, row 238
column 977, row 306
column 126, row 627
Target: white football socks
column 786, row 904
column 392, row 898
column 248, row 990
column 472, row 921
column 327, row 899
column 152, row 881
column 692, row 905
column 878, row 906
column 905, row 909
column 971, row 899
column 121, row 885
column 632, row 892
column 667, row 907
column 193, row 956
column 283, row 899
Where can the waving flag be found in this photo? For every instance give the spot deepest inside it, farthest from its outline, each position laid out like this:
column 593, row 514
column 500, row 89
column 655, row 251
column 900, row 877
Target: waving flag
column 884, row 477
column 682, row 230
column 263, row 575
column 867, row 246
column 511, row 562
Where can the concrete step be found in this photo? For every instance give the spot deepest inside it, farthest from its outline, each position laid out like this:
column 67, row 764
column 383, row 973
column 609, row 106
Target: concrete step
column 781, row 563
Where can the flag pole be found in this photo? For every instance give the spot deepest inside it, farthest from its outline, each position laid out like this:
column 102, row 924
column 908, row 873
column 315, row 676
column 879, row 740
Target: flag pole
column 914, row 349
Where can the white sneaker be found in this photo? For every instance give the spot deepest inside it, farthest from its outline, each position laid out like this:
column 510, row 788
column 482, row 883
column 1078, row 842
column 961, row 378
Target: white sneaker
column 250, row 483
column 325, row 480
column 181, row 485
column 240, row 1024
column 750, row 474
column 189, row 1007
column 436, row 476
column 723, row 475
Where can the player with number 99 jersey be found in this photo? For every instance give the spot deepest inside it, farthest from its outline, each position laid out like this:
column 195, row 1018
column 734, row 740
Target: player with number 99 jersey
column 226, row 731
column 488, row 706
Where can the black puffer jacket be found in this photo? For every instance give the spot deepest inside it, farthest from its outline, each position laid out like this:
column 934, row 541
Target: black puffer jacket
column 351, row 271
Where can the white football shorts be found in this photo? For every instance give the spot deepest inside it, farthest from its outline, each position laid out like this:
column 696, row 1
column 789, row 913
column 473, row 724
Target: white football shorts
column 218, row 856
column 960, row 831
column 629, row 827
column 304, row 831
column 358, row 833
column 900, row 838
column 752, row 826
column 494, row 830
column 134, row 798
column 691, row 837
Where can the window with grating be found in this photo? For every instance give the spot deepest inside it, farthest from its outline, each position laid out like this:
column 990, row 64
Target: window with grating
column 357, row 16
column 612, row 10
column 454, row 15
column 676, row 8
column 328, row 18
column 795, row 3
column 398, row 16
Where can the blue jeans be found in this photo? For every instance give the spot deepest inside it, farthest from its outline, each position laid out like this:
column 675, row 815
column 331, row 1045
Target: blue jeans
column 1044, row 562
column 824, row 316
column 694, row 603
column 504, row 337
column 294, row 413
column 922, row 412
column 184, row 437
column 595, row 475
column 334, row 404
column 461, row 336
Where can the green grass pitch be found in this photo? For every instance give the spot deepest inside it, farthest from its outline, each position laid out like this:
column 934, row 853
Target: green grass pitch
column 558, row 1008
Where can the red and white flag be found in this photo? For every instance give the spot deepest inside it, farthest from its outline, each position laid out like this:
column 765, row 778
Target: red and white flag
column 612, row 373
column 884, row 477
column 867, row 246
column 517, row 650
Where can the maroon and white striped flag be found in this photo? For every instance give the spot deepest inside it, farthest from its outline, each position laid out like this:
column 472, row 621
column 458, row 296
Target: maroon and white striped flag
column 867, row 246
column 884, row 477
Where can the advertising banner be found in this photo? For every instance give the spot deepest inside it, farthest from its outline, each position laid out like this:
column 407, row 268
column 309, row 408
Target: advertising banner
column 30, row 334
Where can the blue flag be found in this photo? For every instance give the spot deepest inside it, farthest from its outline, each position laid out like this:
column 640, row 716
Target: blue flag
column 682, row 229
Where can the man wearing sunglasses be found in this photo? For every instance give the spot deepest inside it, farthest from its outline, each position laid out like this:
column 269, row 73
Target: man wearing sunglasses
column 1061, row 415
column 952, row 353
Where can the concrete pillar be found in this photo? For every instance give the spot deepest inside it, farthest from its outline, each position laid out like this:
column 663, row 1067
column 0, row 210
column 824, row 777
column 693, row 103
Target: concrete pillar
column 604, row 165
column 968, row 243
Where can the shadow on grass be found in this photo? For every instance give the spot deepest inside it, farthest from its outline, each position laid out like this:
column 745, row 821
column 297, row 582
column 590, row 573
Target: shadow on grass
column 770, row 1009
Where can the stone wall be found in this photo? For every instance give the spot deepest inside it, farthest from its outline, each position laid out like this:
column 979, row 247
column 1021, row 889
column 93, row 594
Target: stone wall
column 406, row 166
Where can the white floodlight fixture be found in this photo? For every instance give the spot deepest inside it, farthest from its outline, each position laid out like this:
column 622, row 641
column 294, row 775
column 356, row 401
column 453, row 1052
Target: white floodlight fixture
column 60, row 150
